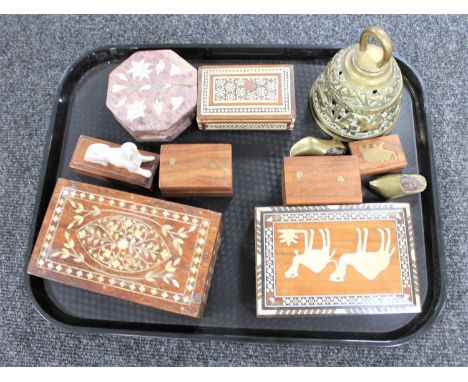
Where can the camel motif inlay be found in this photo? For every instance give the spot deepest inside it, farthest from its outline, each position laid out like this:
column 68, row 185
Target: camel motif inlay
column 368, row 264
column 314, row 259
column 375, row 152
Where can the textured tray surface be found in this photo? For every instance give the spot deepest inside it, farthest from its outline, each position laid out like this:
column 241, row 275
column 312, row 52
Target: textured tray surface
column 257, row 162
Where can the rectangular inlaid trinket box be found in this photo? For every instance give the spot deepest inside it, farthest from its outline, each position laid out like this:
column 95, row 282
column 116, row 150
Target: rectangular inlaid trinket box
column 128, row 246
column 330, row 260
column 246, row 97
column 196, row 170
column 309, row 180
column 379, row 155
column 110, row 172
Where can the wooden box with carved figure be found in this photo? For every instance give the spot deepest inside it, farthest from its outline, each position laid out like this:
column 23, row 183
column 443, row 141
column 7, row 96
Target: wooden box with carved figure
column 196, row 170
column 153, row 94
column 379, row 155
column 132, row 247
column 246, row 97
column 321, row 180
column 330, row 260
column 100, row 167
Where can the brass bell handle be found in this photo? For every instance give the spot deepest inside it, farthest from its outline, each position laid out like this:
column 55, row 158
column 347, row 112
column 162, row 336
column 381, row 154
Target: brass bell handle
column 382, row 38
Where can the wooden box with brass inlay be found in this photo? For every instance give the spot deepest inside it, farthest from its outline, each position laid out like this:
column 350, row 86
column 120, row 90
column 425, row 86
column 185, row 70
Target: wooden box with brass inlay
column 321, row 180
column 246, row 97
column 128, row 246
column 379, row 155
column 327, row 260
column 110, row 172
column 196, row 170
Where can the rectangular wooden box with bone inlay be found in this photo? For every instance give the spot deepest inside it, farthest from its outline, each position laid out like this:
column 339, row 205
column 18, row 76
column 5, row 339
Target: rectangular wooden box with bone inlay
column 379, row 155
column 128, row 246
column 246, row 97
column 321, row 180
column 330, row 260
column 196, row 170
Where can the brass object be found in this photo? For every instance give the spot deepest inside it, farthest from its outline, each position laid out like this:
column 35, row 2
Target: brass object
column 397, row 185
column 341, row 179
column 376, row 153
column 317, row 146
column 358, row 96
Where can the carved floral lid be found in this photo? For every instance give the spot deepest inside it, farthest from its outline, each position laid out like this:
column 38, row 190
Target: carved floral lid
column 153, row 94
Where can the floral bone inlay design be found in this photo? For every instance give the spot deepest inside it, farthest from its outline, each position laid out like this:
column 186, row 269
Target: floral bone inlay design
column 123, row 243
column 153, row 94
column 127, row 247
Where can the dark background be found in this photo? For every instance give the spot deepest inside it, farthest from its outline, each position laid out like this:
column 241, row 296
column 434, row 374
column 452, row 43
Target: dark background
column 36, row 50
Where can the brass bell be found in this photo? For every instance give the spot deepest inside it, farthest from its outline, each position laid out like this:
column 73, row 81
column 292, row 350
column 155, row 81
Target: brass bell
column 358, row 96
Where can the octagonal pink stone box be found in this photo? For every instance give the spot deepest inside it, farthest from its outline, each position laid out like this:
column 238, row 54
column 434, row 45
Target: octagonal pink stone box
column 153, row 94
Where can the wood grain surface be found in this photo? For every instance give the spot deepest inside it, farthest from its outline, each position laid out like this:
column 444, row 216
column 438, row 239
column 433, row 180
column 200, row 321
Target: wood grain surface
column 379, row 155
column 196, row 170
column 349, row 259
column 128, row 246
column 321, row 180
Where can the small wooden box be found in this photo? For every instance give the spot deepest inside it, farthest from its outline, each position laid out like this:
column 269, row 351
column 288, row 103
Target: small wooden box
column 196, row 170
column 246, row 97
column 111, row 172
column 128, row 246
column 379, row 155
column 336, row 260
column 321, row 180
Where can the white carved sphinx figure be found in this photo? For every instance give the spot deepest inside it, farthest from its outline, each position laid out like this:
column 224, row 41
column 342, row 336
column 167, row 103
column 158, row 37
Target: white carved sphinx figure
column 125, row 156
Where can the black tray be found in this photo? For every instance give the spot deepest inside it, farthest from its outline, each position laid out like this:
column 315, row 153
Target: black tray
column 230, row 311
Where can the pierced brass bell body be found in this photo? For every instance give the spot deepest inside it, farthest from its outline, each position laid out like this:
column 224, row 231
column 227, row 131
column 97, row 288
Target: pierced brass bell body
column 358, row 96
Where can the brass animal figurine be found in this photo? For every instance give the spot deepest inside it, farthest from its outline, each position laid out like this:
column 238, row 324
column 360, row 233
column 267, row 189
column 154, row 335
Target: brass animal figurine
column 394, row 186
column 316, row 146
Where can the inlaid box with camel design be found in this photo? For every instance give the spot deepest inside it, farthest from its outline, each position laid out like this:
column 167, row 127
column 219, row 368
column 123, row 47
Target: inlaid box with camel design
column 379, row 155
column 349, row 259
column 128, row 246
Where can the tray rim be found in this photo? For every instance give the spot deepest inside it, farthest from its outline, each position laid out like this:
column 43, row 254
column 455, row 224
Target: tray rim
column 250, row 50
